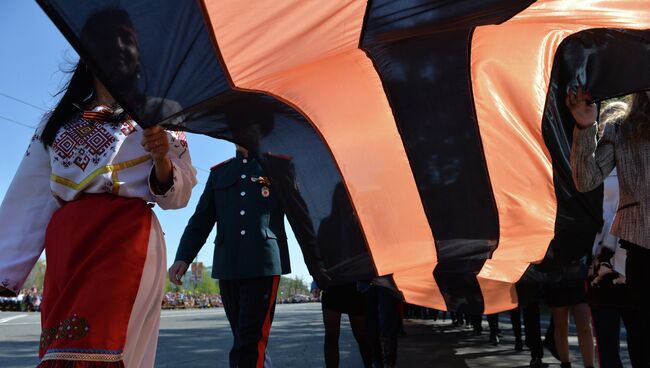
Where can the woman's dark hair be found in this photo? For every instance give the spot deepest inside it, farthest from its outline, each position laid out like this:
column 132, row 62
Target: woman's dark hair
column 98, row 36
column 636, row 125
column 638, row 117
column 75, row 91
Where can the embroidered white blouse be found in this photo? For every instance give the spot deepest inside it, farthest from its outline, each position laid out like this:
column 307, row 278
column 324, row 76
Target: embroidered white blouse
column 87, row 156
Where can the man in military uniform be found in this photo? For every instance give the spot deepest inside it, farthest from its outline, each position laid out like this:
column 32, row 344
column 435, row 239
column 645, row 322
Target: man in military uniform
column 251, row 249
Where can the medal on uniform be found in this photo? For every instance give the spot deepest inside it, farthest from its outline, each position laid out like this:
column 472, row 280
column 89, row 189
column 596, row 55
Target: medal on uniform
column 262, row 180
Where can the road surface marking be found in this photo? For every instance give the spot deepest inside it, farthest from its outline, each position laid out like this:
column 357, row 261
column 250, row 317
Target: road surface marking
column 173, row 315
column 12, row 318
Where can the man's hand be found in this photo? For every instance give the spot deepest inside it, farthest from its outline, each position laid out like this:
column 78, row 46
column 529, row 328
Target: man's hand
column 176, row 272
column 321, row 278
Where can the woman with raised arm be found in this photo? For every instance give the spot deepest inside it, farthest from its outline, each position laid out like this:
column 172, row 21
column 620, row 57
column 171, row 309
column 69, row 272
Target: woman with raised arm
column 625, row 145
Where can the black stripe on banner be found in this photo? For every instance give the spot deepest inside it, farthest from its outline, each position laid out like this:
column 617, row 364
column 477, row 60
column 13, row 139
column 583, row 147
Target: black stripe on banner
column 421, row 52
column 182, row 85
column 592, row 58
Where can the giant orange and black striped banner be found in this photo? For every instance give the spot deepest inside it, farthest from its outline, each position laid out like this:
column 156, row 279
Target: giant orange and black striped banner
column 429, row 138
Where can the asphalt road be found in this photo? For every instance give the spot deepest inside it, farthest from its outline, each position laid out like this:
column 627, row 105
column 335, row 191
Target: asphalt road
column 201, row 338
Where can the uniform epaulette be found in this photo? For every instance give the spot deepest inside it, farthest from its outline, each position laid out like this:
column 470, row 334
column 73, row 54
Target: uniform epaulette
column 221, row 164
column 278, row 155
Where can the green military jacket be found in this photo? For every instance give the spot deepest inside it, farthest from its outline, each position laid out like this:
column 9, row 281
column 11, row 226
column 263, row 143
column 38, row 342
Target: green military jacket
column 251, row 240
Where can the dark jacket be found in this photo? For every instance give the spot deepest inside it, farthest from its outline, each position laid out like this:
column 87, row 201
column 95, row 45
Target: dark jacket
column 592, row 161
column 251, row 240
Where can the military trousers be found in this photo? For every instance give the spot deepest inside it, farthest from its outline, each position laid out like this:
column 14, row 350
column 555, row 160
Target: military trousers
column 249, row 306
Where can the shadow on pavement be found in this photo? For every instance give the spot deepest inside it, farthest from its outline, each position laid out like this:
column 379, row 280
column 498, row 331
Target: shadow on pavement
column 19, row 354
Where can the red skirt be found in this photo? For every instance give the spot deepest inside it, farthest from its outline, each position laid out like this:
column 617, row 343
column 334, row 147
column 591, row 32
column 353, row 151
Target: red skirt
column 96, row 247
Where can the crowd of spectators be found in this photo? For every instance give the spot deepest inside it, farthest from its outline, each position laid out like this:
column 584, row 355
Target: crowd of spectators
column 28, row 300
column 181, row 300
column 298, row 298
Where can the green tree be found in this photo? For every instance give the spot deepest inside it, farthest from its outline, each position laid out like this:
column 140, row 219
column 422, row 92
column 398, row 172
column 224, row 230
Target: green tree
column 169, row 287
column 36, row 276
column 207, row 285
column 292, row 286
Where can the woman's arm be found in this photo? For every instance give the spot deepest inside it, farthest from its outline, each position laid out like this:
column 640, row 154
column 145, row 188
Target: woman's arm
column 591, row 161
column 172, row 176
column 26, row 210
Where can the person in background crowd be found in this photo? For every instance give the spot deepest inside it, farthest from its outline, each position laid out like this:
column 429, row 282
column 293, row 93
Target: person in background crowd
column 515, row 320
column 569, row 295
column 549, row 339
column 30, row 299
column 382, row 303
column 341, row 227
column 314, row 290
column 493, row 323
column 177, row 300
column 463, row 319
column 625, row 145
column 344, row 299
column 565, row 271
column 529, row 294
column 608, row 291
column 37, row 301
column 436, row 314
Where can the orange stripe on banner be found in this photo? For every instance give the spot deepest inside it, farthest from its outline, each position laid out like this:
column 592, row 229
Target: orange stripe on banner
column 308, row 56
column 511, row 67
column 266, row 328
column 419, row 287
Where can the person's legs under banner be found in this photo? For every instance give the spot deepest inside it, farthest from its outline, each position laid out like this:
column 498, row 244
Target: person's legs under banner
column 637, row 274
column 389, row 321
column 607, row 327
column 230, row 299
column 256, row 309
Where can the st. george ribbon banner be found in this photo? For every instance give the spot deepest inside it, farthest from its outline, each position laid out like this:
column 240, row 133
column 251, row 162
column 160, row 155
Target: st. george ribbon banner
column 429, row 139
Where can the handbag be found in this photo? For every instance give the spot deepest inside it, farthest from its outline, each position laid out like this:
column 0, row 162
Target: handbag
column 607, row 289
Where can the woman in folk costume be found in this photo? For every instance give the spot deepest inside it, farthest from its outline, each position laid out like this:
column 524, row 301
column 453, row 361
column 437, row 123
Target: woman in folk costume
column 84, row 192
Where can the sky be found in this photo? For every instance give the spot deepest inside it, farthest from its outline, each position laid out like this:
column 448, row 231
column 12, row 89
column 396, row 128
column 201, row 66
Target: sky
column 35, row 56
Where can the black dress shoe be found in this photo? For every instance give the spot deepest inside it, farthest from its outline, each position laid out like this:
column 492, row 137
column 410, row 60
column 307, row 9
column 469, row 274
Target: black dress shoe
column 536, row 363
column 519, row 345
column 550, row 346
column 494, row 339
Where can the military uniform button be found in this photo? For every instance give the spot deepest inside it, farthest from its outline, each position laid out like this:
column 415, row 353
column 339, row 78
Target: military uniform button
column 243, row 232
column 242, row 212
column 243, row 176
column 244, row 161
column 242, row 194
